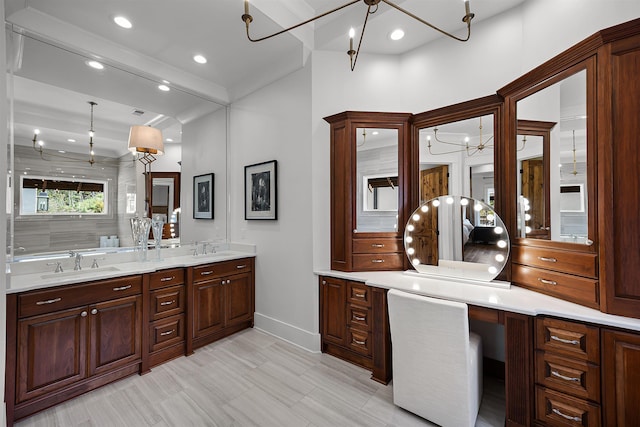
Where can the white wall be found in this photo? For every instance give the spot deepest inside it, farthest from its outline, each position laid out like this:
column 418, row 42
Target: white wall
column 206, row 138
column 273, row 124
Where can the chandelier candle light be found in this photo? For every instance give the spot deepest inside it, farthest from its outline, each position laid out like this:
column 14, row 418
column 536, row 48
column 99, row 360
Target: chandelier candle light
column 372, row 7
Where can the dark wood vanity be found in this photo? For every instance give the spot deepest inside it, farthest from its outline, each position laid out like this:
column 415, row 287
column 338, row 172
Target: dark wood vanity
column 66, row 340
column 558, row 371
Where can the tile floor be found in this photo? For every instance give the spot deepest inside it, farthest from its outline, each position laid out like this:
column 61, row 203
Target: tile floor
column 250, row 379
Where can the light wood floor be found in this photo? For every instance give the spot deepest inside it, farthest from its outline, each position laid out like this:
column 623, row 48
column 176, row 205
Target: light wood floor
column 249, row 379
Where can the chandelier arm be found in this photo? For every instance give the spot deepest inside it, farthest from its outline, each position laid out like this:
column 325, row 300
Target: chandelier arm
column 467, row 18
column 364, row 26
column 446, row 152
column 435, row 135
column 248, row 19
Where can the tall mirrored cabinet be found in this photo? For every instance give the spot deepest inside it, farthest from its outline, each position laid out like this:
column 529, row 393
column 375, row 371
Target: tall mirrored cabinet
column 368, row 190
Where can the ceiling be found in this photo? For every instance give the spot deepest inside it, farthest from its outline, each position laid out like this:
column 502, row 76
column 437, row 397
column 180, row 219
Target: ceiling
column 52, row 40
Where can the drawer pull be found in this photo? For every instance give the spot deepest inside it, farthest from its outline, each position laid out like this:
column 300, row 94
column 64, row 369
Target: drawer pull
column 359, row 342
column 565, row 416
column 564, row 341
column 357, row 295
column 206, row 273
column 49, row 301
column 168, row 302
column 240, row 267
column 377, row 260
column 377, row 245
column 564, row 377
column 164, row 334
column 122, row 288
column 166, row 279
column 547, row 259
column 359, row 318
column 547, row 282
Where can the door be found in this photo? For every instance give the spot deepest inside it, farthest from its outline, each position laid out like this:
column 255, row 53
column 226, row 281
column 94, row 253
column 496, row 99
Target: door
column 621, row 373
column 434, row 182
column 333, row 309
column 533, row 188
column 208, row 302
column 115, row 334
column 238, row 299
column 52, row 352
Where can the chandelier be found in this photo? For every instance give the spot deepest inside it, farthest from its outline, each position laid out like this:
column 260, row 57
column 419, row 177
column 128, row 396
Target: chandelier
column 461, row 146
column 372, row 7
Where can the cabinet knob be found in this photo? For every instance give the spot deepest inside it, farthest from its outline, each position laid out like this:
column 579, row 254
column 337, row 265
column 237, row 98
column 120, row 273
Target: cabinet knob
column 324, row 282
column 94, row 311
column 83, row 314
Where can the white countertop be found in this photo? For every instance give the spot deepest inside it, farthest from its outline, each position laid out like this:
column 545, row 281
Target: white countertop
column 31, row 277
column 514, row 299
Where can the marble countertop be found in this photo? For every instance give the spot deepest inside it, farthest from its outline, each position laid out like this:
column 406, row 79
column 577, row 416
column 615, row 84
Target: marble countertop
column 513, row 299
column 34, row 276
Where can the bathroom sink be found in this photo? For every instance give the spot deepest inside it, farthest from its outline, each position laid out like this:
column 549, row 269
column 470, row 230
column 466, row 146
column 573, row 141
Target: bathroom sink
column 85, row 272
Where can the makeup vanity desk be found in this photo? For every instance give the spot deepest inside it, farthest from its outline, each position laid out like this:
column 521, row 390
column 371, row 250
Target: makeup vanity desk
column 565, row 364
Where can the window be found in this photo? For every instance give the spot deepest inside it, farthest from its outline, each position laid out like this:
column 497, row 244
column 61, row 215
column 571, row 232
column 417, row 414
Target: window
column 56, row 196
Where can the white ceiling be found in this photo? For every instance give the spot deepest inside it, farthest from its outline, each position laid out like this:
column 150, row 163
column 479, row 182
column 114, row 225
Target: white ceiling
column 53, row 84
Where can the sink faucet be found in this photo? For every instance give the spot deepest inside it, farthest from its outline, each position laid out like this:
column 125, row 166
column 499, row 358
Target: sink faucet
column 77, row 265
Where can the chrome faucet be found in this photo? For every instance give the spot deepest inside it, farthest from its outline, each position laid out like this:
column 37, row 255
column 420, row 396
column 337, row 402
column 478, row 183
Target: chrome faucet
column 77, row 265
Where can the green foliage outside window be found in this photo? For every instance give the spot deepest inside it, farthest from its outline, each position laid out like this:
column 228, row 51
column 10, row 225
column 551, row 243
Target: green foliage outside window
column 70, row 201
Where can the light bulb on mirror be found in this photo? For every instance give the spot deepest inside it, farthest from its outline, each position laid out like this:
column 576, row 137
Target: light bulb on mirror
column 527, row 217
column 436, row 203
column 464, row 202
column 449, row 200
column 527, row 229
column 408, row 239
column 502, row 244
column 498, row 230
column 424, row 208
column 477, row 207
column 416, row 217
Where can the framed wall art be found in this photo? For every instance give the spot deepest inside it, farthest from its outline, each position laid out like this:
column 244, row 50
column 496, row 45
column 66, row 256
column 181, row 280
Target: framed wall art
column 260, row 191
column 203, row 196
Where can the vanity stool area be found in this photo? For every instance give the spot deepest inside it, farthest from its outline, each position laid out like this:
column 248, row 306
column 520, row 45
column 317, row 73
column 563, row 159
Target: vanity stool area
column 69, row 333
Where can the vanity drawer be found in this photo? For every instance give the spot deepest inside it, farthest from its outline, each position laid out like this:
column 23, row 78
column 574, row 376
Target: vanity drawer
column 557, row 409
column 359, row 294
column 53, row 299
column 569, row 339
column 580, row 263
column 164, row 278
column 576, row 377
column 380, row 245
column 166, row 332
column 386, row 261
column 571, row 288
column 167, row 302
column 225, row 268
column 359, row 317
column 359, row 341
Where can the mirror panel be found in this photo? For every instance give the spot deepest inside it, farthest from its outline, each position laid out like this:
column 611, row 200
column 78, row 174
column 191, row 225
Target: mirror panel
column 457, row 236
column 50, row 88
column 377, row 179
column 552, row 162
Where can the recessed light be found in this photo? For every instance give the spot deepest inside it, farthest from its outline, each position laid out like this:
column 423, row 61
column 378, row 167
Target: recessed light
column 61, row 151
column 71, row 140
column 396, row 34
column 122, row 22
column 200, row 59
column 169, row 139
column 95, row 64
column 164, row 88
column 375, row 132
column 166, row 82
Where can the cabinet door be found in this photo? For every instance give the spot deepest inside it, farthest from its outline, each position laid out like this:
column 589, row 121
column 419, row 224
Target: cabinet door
column 208, row 307
column 115, row 334
column 621, row 374
column 333, row 310
column 238, row 299
column 51, row 352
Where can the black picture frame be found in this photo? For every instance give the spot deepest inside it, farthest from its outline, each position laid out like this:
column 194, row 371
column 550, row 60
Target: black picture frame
column 261, row 191
column 203, row 192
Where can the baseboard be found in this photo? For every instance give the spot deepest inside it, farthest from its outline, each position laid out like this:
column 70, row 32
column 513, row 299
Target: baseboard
column 3, row 415
column 292, row 334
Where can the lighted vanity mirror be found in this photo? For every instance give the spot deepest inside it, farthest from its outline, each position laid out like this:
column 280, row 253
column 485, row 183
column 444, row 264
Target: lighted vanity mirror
column 457, row 236
column 377, row 177
column 50, row 90
column 551, row 152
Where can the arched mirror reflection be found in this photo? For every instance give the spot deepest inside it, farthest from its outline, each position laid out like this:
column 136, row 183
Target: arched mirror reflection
column 551, row 151
column 444, row 237
column 377, row 180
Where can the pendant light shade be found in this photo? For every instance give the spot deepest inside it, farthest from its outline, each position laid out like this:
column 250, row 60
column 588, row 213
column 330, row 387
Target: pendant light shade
column 145, row 139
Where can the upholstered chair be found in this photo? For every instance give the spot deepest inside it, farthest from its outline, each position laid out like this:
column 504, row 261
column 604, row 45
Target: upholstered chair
column 437, row 362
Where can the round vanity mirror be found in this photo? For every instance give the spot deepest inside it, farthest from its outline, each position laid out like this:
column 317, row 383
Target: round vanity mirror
column 458, row 237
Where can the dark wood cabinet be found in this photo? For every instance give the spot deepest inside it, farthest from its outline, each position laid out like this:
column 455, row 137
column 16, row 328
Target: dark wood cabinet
column 621, row 367
column 354, row 325
column 222, row 296
column 71, row 339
